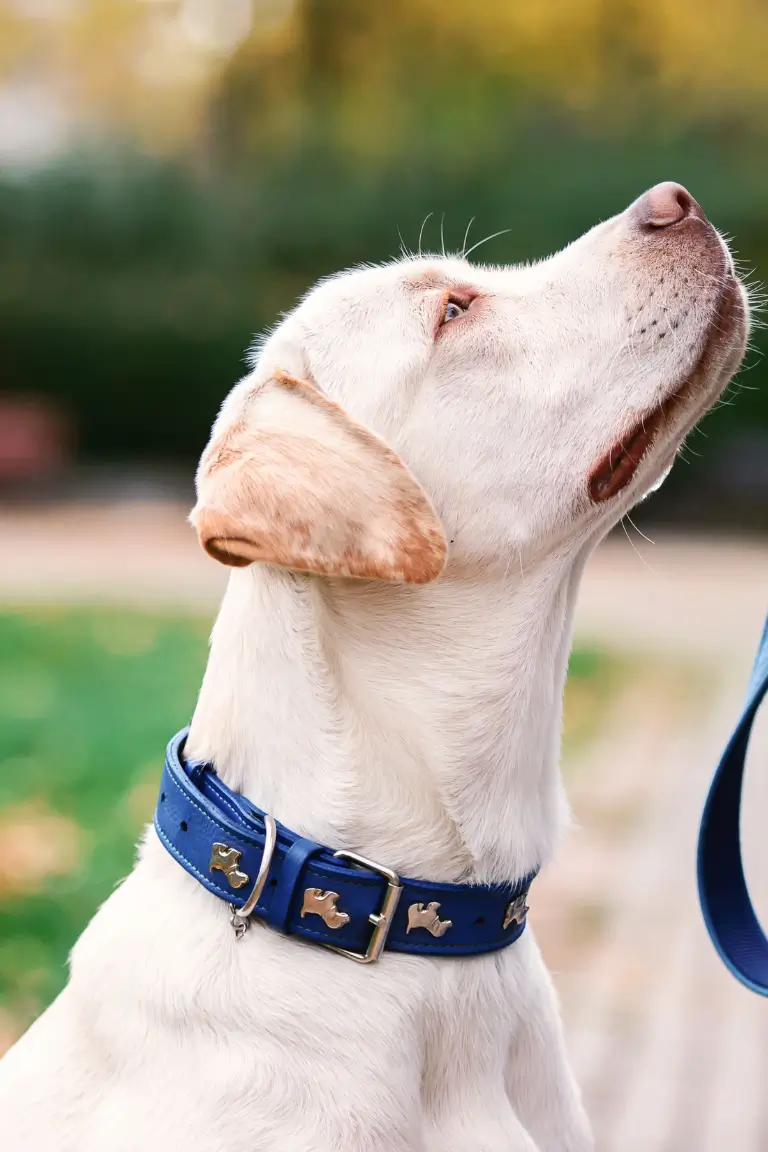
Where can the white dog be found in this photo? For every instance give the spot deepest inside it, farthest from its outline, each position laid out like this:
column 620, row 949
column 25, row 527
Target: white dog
column 458, row 438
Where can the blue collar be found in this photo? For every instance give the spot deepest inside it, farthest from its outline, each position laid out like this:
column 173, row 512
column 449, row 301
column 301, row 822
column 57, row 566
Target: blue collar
column 728, row 912
column 338, row 899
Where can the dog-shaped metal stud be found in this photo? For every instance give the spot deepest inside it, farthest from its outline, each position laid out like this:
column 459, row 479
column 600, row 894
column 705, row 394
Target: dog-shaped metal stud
column 226, row 860
column 421, row 917
column 516, row 910
column 323, row 904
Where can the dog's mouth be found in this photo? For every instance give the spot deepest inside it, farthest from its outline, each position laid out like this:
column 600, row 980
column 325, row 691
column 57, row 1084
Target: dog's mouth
column 616, row 469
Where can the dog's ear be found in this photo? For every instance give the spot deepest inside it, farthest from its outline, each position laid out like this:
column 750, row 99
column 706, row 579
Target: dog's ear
column 291, row 479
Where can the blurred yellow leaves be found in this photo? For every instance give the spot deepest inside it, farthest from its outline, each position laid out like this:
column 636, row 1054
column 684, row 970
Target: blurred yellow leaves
column 35, row 843
column 706, row 50
column 121, row 66
column 155, row 69
column 714, row 51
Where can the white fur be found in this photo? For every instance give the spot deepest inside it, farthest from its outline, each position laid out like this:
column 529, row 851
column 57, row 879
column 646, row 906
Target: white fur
column 419, row 725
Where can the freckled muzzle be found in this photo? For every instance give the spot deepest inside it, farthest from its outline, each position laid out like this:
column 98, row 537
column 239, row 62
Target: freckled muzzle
column 616, row 469
column 674, row 233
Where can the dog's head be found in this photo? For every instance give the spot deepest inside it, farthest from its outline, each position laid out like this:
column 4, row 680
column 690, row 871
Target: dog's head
column 432, row 409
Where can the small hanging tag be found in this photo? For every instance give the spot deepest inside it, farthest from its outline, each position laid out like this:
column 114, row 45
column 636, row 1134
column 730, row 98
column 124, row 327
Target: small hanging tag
column 239, row 923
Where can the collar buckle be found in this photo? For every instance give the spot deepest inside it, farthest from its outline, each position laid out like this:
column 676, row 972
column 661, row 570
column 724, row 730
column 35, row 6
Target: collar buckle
column 381, row 920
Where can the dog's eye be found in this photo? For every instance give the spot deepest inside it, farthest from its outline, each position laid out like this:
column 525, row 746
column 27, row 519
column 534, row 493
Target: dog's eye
column 452, row 310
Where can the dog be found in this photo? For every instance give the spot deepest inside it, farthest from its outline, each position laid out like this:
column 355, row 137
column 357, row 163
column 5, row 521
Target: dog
column 407, row 486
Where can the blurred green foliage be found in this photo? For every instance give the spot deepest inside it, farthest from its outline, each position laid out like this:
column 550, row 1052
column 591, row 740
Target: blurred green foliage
column 133, row 280
column 130, row 290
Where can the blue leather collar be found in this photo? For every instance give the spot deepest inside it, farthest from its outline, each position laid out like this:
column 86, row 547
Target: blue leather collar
column 219, row 837
column 728, row 912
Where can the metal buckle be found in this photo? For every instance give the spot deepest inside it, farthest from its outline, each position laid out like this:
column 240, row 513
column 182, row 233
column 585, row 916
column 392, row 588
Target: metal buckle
column 381, row 920
column 240, row 916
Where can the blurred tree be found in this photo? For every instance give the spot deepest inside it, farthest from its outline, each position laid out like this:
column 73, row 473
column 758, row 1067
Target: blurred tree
column 151, row 70
column 130, row 286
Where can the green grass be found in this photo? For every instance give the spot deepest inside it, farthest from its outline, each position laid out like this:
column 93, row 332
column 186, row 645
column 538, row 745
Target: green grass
column 88, row 700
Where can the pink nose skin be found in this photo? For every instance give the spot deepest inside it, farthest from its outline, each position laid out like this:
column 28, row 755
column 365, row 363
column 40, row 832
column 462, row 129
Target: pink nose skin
column 664, row 205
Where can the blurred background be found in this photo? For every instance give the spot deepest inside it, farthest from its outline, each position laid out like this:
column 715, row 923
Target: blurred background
column 173, row 174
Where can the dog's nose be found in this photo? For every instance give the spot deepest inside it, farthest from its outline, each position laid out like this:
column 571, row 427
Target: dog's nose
column 664, row 205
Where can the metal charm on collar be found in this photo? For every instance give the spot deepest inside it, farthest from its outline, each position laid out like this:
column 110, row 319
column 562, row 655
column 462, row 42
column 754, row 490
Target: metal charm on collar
column 334, row 899
column 421, row 917
column 226, row 860
column 517, row 910
column 324, row 904
column 240, row 918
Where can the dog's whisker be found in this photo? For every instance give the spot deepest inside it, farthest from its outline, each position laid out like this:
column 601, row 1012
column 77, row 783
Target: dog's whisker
column 466, row 237
column 423, row 225
column 485, row 240
column 631, row 521
column 634, row 548
column 619, row 351
column 631, row 340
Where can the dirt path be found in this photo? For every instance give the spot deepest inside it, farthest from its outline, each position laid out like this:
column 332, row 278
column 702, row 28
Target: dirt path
column 672, row 1053
column 676, row 595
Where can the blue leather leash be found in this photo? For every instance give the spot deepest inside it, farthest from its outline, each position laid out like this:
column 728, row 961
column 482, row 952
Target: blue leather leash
column 336, row 899
column 725, row 903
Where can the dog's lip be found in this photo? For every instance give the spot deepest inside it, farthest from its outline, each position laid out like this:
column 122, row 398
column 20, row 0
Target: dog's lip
column 614, row 471
column 617, row 468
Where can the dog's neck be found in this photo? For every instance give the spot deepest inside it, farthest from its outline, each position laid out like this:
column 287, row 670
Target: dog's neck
column 420, row 727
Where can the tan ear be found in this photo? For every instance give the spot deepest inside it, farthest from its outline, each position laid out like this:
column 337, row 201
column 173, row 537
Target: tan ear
column 293, row 480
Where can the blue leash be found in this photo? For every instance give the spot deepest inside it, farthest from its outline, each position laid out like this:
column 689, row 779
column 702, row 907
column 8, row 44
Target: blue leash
column 728, row 913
